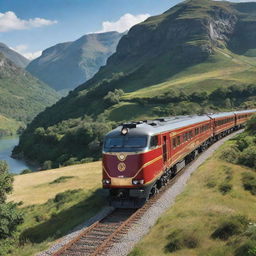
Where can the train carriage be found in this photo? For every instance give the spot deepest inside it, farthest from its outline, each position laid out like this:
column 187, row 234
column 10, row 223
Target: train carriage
column 140, row 157
column 242, row 116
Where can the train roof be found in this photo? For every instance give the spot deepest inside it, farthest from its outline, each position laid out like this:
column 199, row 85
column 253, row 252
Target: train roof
column 152, row 127
column 223, row 114
column 245, row 111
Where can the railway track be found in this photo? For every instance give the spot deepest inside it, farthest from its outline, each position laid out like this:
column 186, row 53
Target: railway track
column 97, row 239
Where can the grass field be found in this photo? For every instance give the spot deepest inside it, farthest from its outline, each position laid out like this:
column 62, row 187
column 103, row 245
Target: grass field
column 54, row 202
column 187, row 227
column 35, row 188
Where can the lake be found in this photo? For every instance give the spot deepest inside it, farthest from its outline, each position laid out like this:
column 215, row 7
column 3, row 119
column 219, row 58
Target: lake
column 6, row 146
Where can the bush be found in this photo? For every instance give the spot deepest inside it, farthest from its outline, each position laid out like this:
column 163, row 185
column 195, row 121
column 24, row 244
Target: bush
column 231, row 154
column 61, row 179
column 10, row 217
column 211, row 183
column 248, row 157
column 181, row 239
column 47, row 165
column 229, row 227
column 136, row 252
column 248, row 248
column 66, row 196
column 251, row 125
column 25, row 171
column 249, row 182
column 224, row 188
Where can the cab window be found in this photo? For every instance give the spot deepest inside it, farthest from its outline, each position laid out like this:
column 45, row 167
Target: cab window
column 153, row 142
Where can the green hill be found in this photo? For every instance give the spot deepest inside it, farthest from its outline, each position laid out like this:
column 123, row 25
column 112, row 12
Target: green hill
column 198, row 56
column 22, row 96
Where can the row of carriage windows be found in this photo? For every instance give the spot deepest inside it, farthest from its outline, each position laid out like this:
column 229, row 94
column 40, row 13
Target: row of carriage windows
column 224, row 121
column 242, row 116
column 189, row 135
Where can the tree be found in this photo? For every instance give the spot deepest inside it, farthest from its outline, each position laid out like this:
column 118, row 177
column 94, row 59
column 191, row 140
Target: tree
column 10, row 217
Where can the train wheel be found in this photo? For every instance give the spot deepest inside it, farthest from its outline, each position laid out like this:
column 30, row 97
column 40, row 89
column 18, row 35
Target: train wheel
column 153, row 191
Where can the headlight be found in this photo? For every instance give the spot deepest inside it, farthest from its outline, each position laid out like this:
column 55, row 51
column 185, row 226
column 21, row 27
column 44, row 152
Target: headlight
column 124, row 131
column 106, row 181
column 138, row 182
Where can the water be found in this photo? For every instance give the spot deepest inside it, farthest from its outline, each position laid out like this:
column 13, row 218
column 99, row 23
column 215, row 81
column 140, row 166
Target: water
column 6, row 146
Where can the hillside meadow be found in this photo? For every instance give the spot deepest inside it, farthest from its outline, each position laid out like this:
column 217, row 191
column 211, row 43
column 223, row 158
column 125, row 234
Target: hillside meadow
column 53, row 202
column 214, row 216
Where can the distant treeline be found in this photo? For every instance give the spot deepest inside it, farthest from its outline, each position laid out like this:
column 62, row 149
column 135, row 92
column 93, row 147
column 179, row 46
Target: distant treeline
column 79, row 140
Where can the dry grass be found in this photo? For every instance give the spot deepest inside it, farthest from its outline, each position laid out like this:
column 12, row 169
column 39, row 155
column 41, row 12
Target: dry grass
column 35, row 188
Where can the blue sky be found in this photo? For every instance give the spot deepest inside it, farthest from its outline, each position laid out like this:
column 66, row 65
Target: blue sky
column 65, row 20
column 30, row 26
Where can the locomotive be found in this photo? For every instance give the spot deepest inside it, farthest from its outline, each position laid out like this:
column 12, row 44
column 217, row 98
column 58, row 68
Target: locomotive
column 141, row 157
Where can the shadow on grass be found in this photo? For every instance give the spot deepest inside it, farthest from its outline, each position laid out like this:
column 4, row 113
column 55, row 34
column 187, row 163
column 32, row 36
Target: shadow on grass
column 62, row 221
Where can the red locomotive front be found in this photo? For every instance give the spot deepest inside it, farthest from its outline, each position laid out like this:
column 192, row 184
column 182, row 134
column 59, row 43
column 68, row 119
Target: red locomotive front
column 132, row 160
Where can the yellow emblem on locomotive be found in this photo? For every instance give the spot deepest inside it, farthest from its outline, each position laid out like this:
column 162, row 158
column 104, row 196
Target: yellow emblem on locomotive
column 121, row 167
column 121, row 157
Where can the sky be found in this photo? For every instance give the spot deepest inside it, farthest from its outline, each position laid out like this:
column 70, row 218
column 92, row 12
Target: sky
column 30, row 26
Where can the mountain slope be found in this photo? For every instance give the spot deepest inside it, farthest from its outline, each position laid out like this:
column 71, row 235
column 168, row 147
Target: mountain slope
column 67, row 65
column 22, row 96
column 15, row 57
column 170, row 64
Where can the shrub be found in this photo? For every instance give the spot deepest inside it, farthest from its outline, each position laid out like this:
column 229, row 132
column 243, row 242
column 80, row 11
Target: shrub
column 224, row 188
column 47, row 165
column 248, row 157
column 249, row 182
column 181, row 239
column 61, row 179
column 211, row 183
column 231, row 154
column 248, row 248
column 25, row 171
column 10, row 217
column 66, row 196
column 136, row 252
column 251, row 125
column 229, row 227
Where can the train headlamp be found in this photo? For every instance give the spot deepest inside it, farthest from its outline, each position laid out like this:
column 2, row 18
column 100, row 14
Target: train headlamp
column 106, row 181
column 138, row 182
column 124, row 131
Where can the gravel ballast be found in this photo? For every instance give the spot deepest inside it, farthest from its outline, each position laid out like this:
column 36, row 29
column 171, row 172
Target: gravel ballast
column 142, row 227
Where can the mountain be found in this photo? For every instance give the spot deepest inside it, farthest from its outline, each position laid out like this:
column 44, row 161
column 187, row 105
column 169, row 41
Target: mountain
column 198, row 56
column 67, row 65
column 22, row 96
column 15, row 57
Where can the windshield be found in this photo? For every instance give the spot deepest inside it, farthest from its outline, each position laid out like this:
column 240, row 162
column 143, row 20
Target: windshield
column 125, row 143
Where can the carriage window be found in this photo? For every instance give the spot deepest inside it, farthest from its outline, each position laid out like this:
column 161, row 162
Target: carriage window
column 153, row 142
column 178, row 140
column 174, row 142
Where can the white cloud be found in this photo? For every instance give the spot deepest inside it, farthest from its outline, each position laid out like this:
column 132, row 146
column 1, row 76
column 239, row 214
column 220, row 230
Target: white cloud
column 23, row 50
column 124, row 23
column 9, row 21
column 32, row 55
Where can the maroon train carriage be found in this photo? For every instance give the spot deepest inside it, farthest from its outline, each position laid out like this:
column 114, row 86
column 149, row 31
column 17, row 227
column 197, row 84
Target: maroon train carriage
column 140, row 157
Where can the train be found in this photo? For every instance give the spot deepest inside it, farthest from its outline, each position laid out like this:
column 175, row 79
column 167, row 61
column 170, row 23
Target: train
column 138, row 158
